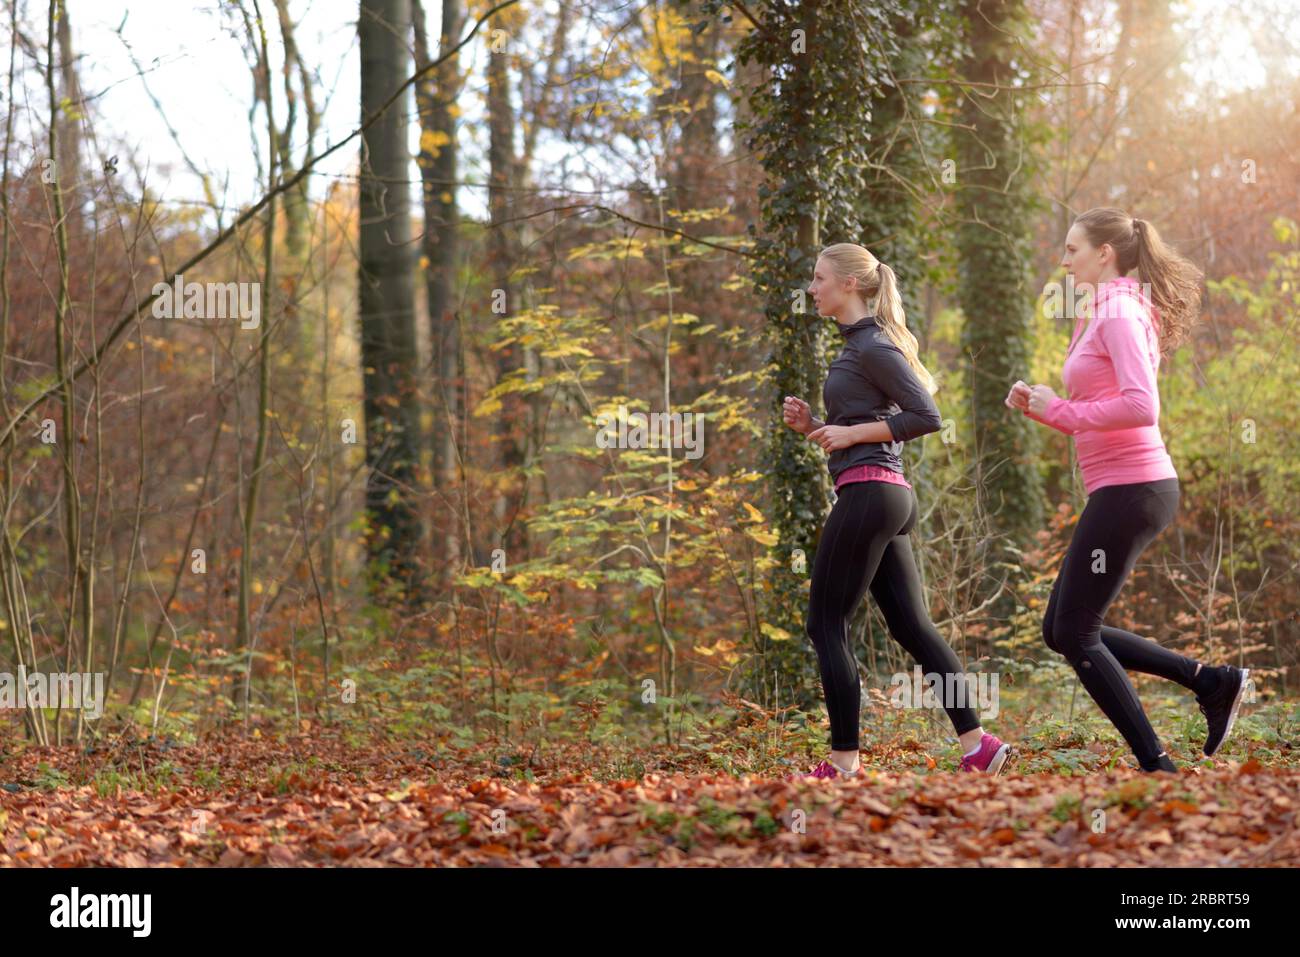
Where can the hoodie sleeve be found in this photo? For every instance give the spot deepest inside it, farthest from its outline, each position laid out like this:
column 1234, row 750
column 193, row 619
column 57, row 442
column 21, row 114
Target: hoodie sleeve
column 886, row 365
column 1123, row 335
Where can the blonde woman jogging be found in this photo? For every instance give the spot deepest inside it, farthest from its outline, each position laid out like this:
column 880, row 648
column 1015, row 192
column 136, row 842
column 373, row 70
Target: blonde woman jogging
column 877, row 396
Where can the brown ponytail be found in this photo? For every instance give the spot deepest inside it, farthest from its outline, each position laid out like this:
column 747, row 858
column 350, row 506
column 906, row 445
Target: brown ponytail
column 1174, row 281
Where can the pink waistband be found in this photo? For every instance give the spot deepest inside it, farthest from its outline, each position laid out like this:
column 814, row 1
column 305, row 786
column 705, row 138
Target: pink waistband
column 870, row 473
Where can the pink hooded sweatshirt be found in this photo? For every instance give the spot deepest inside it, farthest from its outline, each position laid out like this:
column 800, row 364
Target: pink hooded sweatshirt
column 1114, row 409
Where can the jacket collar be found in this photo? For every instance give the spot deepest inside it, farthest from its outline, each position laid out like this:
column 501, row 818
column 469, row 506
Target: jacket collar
column 1110, row 287
column 1123, row 285
column 854, row 327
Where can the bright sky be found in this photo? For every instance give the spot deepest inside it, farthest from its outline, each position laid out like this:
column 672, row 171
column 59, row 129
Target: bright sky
column 196, row 66
column 1222, row 54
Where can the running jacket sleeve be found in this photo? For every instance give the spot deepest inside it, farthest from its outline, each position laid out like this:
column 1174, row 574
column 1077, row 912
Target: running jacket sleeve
column 886, row 366
column 1123, row 334
column 1038, row 418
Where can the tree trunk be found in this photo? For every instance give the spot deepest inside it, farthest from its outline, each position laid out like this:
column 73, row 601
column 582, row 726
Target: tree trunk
column 502, row 254
column 996, row 297
column 694, row 159
column 437, row 160
column 387, row 304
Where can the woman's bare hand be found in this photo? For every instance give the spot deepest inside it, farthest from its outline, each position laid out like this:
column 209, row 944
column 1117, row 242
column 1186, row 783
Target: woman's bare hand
column 834, row 437
column 1018, row 397
column 798, row 414
column 1039, row 397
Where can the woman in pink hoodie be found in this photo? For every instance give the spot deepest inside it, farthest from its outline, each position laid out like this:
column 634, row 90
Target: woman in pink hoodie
column 1113, row 415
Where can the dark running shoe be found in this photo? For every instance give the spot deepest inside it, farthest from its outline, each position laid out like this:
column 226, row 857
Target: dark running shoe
column 1221, row 705
column 1161, row 763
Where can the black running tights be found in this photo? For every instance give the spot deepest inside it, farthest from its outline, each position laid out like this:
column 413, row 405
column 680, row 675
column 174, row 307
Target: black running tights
column 866, row 539
column 1118, row 522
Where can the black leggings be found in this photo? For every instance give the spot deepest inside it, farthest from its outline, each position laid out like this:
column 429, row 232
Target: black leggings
column 865, row 539
column 1118, row 522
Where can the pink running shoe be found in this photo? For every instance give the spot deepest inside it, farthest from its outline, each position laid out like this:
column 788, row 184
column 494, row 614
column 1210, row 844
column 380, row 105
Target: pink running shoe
column 827, row 770
column 992, row 757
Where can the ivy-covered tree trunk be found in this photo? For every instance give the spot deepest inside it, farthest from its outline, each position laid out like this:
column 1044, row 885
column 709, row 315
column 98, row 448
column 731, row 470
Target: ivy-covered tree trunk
column 893, row 226
column 995, row 205
column 787, row 244
column 810, row 126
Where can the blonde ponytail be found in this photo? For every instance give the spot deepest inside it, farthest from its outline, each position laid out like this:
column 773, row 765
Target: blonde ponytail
column 893, row 323
column 879, row 289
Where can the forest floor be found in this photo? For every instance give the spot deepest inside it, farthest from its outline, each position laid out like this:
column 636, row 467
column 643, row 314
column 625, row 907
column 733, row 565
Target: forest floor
column 354, row 796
